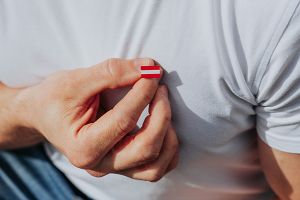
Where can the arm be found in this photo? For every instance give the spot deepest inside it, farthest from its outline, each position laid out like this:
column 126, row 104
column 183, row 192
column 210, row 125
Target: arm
column 281, row 170
column 12, row 133
column 63, row 108
column 278, row 114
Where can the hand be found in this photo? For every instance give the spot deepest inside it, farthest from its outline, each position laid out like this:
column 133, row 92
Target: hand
column 64, row 109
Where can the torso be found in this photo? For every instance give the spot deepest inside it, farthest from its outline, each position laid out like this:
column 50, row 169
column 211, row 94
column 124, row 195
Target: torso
column 210, row 51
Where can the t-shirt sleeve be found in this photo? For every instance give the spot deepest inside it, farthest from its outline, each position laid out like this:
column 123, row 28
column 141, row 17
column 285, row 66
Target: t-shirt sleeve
column 278, row 95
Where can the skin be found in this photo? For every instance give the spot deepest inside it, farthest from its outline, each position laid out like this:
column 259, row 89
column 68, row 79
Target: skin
column 281, row 170
column 63, row 109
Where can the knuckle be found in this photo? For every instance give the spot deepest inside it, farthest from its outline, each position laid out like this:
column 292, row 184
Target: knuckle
column 112, row 68
column 149, row 61
column 175, row 144
column 74, row 159
column 149, row 153
column 125, row 123
column 148, row 96
column 155, row 176
column 167, row 116
column 82, row 158
column 113, row 61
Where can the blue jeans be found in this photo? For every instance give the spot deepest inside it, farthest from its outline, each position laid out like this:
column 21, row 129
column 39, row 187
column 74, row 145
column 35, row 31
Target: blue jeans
column 28, row 174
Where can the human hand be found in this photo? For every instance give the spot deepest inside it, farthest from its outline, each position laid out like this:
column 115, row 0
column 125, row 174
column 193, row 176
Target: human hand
column 64, row 109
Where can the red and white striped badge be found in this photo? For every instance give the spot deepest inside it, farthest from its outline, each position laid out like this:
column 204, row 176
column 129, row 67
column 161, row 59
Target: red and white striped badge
column 150, row 71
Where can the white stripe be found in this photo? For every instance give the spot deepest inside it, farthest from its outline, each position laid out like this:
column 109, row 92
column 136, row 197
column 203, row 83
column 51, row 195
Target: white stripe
column 150, row 72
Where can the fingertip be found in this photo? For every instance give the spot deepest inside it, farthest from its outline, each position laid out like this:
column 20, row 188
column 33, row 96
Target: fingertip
column 148, row 62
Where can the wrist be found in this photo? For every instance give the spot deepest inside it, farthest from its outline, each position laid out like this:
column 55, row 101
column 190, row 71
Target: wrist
column 15, row 129
column 19, row 110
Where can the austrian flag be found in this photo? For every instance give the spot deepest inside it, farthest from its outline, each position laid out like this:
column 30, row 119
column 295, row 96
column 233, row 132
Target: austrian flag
column 150, row 71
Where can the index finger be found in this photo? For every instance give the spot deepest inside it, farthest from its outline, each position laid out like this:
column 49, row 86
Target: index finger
column 110, row 74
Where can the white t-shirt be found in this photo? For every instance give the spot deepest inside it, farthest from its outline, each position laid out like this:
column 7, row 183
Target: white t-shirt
column 231, row 67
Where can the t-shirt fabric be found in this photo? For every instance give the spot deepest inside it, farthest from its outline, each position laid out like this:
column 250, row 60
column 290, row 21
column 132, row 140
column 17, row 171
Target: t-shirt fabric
column 232, row 68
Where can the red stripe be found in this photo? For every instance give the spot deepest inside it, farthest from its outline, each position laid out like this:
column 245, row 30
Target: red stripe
column 150, row 75
column 155, row 67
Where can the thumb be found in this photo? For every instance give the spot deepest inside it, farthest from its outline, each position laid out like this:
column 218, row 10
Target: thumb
column 110, row 74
